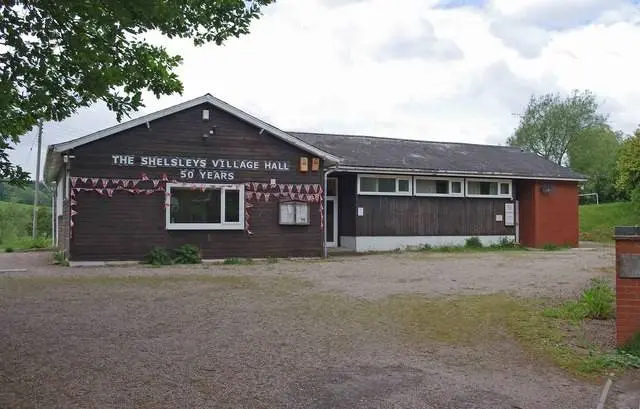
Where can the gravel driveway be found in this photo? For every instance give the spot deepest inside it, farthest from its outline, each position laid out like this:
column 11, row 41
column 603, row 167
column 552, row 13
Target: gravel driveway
column 271, row 335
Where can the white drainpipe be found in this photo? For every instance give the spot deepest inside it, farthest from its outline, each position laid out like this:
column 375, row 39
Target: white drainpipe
column 324, row 228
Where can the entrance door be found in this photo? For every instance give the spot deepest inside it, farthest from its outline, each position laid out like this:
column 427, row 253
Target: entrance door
column 331, row 213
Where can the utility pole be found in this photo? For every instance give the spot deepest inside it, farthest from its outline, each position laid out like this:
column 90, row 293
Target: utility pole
column 34, row 232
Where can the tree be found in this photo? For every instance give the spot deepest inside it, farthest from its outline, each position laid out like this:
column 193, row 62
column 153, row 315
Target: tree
column 629, row 167
column 551, row 123
column 58, row 56
column 593, row 153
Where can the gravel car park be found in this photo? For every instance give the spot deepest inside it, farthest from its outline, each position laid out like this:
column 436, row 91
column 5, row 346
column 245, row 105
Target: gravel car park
column 286, row 334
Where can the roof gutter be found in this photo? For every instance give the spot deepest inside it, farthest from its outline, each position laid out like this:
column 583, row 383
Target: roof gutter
column 423, row 172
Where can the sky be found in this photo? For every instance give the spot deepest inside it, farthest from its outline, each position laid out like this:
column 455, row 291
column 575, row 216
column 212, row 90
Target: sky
column 439, row 70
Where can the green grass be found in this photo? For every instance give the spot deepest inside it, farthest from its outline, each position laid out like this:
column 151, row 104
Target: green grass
column 237, row 261
column 15, row 227
column 595, row 302
column 598, row 221
column 473, row 321
column 468, row 249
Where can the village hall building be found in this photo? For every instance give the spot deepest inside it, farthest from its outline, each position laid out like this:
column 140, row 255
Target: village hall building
column 206, row 173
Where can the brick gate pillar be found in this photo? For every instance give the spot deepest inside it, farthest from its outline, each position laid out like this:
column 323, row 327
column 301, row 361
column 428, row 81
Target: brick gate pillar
column 627, row 283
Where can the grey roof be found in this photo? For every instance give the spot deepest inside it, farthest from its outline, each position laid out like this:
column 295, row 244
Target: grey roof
column 436, row 157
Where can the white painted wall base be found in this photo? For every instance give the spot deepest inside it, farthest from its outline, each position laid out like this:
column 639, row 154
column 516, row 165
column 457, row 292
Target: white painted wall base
column 388, row 243
column 348, row 242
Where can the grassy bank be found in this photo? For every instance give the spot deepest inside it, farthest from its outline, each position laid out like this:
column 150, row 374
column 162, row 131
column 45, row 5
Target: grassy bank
column 598, row 221
column 16, row 226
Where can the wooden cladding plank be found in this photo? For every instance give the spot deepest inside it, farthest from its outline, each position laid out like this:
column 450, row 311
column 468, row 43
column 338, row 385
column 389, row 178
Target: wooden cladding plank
column 422, row 216
column 180, row 134
column 127, row 226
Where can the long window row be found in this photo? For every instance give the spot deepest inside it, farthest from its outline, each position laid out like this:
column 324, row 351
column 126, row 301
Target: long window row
column 389, row 185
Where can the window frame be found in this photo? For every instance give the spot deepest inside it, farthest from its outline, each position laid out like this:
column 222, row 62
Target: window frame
column 497, row 196
column 239, row 225
column 395, row 177
column 450, row 180
column 295, row 204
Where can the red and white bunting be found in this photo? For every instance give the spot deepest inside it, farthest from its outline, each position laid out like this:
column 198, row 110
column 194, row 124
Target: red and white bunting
column 73, row 181
column 144, row 176
column 83, row 180
column 164, row 177
column 73, row 212
column 266, row 197
column 109, row 192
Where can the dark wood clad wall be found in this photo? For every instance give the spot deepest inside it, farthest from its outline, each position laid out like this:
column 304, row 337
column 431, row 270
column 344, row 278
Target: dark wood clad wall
column 347, row 188
column 126, row 226
column 430, row 216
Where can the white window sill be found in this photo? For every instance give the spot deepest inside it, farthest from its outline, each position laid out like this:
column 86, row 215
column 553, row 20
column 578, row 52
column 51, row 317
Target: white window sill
column 490, row 196
column 439, row 195
column 384, row 193
column 205, row 226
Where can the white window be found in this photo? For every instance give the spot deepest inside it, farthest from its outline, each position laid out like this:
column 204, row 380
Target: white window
column 438, row 187
column 294, row 213
column 488, row 188
column 204, row 207
column 384, row 185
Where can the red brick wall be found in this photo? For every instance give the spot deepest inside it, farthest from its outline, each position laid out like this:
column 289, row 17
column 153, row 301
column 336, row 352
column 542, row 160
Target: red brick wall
column 627, row 295
column 557, row 214
column 548, row 218
column 526, row 196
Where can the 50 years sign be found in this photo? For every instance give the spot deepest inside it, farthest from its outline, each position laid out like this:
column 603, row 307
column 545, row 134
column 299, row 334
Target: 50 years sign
column 199, row 168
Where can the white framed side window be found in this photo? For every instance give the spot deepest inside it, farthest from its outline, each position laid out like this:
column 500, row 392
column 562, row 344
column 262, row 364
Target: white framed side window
column 294, row 213
column 204, row 207
column 496, row 188
column 437, row 186
column 387, row 185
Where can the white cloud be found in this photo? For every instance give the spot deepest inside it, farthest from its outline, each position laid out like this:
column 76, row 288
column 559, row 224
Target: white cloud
column 408, row 68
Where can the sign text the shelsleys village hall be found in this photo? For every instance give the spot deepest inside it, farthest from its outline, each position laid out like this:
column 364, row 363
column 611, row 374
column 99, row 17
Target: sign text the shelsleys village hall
column 200, row 168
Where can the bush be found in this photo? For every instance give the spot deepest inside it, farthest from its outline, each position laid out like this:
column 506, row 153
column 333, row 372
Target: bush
column 158, row 257
column 635, row 200
column 551, row 247
column 596, row 302
column 60, row 258
column 633, row 346
column 473, row 243
column 40, row 243
column 8, row 250
column 237, row 261
column 187, row 254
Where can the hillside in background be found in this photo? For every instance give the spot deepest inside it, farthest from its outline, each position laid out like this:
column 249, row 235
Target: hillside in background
column 598, row 221
column 24, row 195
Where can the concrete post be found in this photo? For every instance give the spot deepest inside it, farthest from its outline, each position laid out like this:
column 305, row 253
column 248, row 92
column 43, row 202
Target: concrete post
column 627, row 283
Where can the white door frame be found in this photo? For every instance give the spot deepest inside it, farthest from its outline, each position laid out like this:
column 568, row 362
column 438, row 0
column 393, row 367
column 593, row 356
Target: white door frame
column 333, row 243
